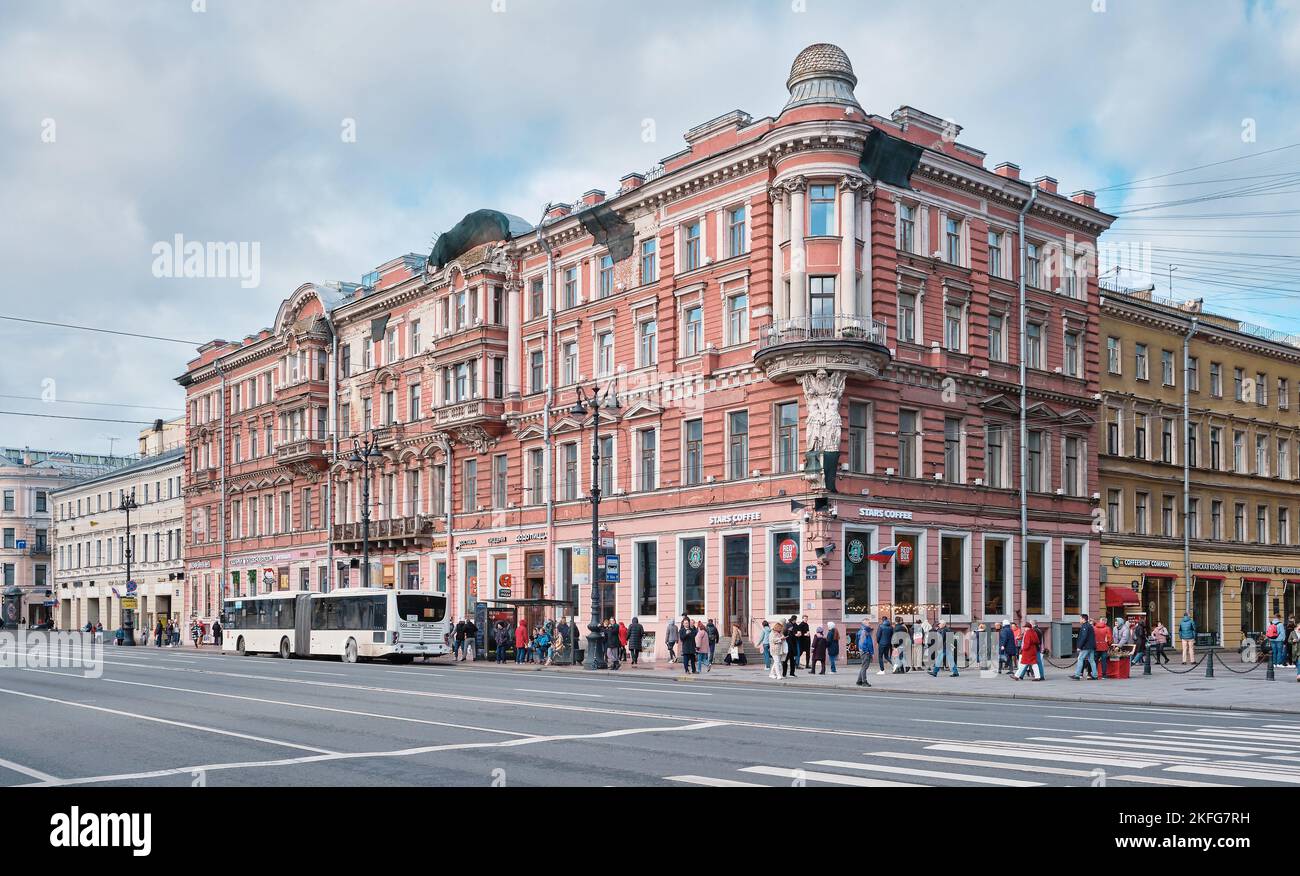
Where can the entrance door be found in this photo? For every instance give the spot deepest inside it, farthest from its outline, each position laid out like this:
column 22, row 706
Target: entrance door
column 735, row 585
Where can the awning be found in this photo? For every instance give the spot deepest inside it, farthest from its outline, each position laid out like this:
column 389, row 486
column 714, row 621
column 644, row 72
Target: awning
column 1117, row 596
column 1255, row 580
column 1163, row 576
column 1201, row 577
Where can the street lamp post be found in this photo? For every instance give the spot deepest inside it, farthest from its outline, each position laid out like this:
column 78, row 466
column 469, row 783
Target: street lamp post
column 593, row 401
column 362, row 456
column 128, row 505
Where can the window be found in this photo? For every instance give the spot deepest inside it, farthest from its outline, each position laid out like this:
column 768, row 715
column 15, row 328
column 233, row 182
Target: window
column 1140, row 436
column 1113, row 499
column 497, row 306
column 995, row 254
column 1167, row 516
column 535, row 371
column 470, row 498
column 1216, row 448
column 1238, row 384
column 1166, row 440
column 997, row 337
column 1193, row 440
column 908, row 439
column 738, row 445
column 42, row 504
column 1112, row 355
column 784, row 561
column 736, row 232
column 1194, row 517
column 605, row 354
column 1261, row 524
column 1261, row 455
column 738, row 319
column 1216, row 520
column 1033, row 265
column 1239, row 451
column 907, row 317
column 569, row 358
column 499, row 469
column 995, row 459
column 1114, row 428
column 412, row 492
column 693, row 437
column 390, row 346
column 905, row 577
column 1261, row 390
column 535, row 290
column 1239, row 522
column 438, row 490
column 647, row 579
column 571, row 287
column 952, row 574
column 606, row 465
column 462, row 309
column 1167, row 367
column 821, row 210
column 367, row 353
column 952, row 327
column 1072, row 360
column 1283, row 458
column 691, row 551
column 390, row 407
column 1140, row 504
column 367, row 418
column 787, row 437
column 498, row 377
column 860, row 438
column 1283, row 526
column 1033, row 345
column 952, row 455
column 821, row 303
column 907, row 228
column 569, row 454
column 995, row 577
column 1140, row 361
column 1072, row 578
column 649, row 260
column 693, row 333
column 536, row 477
column 952, row 241
column 691, row 254
column 1283, row 394
column 647, row 342
column 605, row 280
column 1216, row 380
column 1073, row 470
column 648, row 467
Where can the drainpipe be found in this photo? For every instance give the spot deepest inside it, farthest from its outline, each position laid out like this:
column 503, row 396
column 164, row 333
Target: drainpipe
column 330, row 572
column 1024, row 434
column 1187, row 465
column 548, row 293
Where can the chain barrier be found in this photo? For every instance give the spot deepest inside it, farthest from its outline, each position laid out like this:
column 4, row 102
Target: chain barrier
column 1224, row 664
column 1166, row 668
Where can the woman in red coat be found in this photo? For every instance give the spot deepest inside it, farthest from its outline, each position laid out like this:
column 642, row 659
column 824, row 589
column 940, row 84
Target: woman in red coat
column 1028, row 653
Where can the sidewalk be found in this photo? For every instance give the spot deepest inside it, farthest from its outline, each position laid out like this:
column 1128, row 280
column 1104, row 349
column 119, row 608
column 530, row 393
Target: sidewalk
column 1249, row 692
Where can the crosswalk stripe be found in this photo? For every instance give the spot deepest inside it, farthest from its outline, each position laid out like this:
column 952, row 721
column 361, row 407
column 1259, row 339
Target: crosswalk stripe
column 1234, row 773
column 925, row 774
column 1188, row 748
column 1282, row 726
column 1157, row 780
column 827, row 778
column 712, row 782
column 1212, row 744
column 1247, row 735
column 1282, row 757
column 1075, row 756
column 1071, row 744
column 966, row 761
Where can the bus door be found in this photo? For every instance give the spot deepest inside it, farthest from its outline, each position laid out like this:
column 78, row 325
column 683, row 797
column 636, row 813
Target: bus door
column 302, row 624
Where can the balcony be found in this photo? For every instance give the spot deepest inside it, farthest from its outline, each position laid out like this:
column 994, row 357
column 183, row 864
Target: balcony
column 40, row 551
column 399, row 533
column 317, row 388
column 800, row 345
column 467, row 412
column 308, row 450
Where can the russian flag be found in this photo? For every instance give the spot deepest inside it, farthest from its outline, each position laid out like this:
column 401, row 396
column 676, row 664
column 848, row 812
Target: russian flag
column 115, row 593
column 884, row 556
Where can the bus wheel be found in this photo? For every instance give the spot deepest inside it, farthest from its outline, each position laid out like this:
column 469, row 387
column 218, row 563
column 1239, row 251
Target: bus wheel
column 239, row 647
column 284, row 648
column 350, row 651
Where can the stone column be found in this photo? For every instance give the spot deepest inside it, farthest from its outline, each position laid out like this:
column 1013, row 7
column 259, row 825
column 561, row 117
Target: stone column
column 513, row 340
column 868, row 204
column 780, row 304
column 798, row 188
column 846, row 289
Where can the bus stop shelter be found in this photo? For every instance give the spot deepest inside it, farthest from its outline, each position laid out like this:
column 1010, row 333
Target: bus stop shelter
column 489, row 612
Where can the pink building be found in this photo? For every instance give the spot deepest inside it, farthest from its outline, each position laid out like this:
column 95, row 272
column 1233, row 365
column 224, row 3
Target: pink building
column 821, row 281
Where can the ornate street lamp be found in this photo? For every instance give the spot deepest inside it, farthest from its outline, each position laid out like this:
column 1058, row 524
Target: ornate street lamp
column 128, row 505
column 363, row 456
column 593, row 401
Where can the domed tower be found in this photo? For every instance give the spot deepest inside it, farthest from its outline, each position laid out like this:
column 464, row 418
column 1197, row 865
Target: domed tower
column 822, row 74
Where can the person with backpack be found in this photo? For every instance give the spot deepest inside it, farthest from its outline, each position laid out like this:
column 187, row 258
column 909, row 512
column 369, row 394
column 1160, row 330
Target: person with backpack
column 866, row 647
column 885, row 644
column 713, row 638
column 1273, row 633
column 1187, row 638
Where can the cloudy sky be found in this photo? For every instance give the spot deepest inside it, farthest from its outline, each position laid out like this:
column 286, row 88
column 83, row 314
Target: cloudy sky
column 124, row 123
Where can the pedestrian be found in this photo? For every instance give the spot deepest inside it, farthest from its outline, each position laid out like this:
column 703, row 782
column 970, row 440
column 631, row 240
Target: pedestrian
column 899, row 645
column 500, row 641
column 471, row 640
column 703, row 647
column 459, row 637
column 196, row 632
column 1273, row 633
column 622, row 641
column 1187, row 638
column 1160, row 638
column 521, row 643
column 1003, row 632
column 157, row 635
column 940, row 638
column 1123, row 632
column 1293, row 639
column 1087, row 646
column 793, row 646
column 613, row 643
column 818, row 654
column 1103, row 639
column 635, row 634
column 218, row 633
column 866, row 639
column 686, row 638
column 1289, row 651
column 1139, row 642
column 884, row 643
column 670, row 639
column 805, row 644
column 713, row 638
column 765, row 645
column 832, row 643
column 735, row 652
column 1029, row 653
column 776, row 644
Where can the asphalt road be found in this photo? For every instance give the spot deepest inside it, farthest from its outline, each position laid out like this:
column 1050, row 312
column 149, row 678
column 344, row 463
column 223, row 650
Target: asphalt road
column 177, row 717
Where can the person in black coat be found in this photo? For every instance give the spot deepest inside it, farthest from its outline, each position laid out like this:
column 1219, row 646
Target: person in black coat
column 686, row 639
column 1087, row 646
column 713, row 638
column 1007, row 648
column 884, row 644
column 635, row 633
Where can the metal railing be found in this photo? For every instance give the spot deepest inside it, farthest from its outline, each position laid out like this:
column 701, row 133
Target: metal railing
column 838, row 327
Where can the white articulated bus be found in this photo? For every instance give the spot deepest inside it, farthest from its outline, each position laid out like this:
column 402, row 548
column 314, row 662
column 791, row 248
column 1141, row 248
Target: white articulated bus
column 356, row 622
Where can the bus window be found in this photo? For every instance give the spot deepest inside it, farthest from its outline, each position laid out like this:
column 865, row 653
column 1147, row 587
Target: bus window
column 421, row 607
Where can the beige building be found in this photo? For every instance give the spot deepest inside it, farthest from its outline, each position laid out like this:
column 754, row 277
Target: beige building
column 1243, row 448
column 28, row 478
column 90, row 538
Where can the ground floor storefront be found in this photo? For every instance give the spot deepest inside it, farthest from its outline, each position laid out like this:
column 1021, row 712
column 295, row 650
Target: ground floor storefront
column 103, row 603
column 1231, row 596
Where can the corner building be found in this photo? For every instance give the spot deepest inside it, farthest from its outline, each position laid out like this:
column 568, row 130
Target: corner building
column 757, row 296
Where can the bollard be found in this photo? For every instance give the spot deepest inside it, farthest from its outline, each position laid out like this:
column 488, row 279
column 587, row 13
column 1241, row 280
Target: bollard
column 1268, row 671
column 1209, row 664
column 1146, row 661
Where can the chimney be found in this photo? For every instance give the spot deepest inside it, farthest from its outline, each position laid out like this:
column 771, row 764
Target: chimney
column 631, row 181
column 1008, row 170
column 1046, row 184
column 593, row 197
column 1084, row 197
column 556, row 211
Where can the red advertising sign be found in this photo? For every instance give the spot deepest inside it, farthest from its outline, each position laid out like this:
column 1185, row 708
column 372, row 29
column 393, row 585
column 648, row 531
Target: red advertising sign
column 789, row 550
column 904, row 554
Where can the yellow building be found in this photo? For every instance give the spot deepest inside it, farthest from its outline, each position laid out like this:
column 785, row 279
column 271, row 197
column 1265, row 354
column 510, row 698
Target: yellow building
column 1241, row 444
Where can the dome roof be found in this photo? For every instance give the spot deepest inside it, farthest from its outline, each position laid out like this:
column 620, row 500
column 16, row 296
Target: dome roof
column 822, row 73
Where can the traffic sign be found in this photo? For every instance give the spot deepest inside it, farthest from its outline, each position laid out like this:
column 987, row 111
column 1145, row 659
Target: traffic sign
column 130, row 586
column 810, row 573
column 21, row 544
column 128, row 602
column 612, row 567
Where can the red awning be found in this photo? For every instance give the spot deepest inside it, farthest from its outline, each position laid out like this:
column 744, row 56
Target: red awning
column 1117, row 596
column 1209, row 577
column 1254, row 580
column 1161, row 576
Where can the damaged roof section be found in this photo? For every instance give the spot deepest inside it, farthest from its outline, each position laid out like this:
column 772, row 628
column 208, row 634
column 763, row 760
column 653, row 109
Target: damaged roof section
column 476, row 229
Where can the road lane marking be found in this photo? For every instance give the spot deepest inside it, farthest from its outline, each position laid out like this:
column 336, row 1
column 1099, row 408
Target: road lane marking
column 371, row 755
column 172, row 723
column 926, row 774
column 318, row 672
column 685, row 693
column 27, row 771
column 714, row 783
column 826, row 778
column 567, row 693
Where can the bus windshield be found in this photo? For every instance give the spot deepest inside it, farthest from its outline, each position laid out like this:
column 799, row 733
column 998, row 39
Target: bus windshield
column 421, row 607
